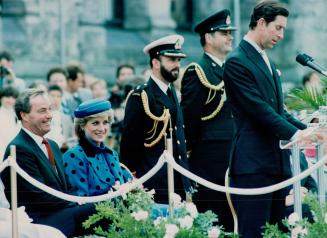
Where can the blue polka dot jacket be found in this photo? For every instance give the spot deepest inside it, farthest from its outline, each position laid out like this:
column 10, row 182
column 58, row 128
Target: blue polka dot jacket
column 93, row 170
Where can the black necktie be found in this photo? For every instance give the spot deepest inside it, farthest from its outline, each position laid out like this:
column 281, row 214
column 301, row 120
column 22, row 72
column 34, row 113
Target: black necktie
column 170, row 94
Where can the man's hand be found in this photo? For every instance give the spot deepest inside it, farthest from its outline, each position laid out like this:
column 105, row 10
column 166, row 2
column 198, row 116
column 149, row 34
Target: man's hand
column 310, row 135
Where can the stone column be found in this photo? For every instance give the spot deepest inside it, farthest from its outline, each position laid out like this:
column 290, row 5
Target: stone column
column 205, row 8
column 137, row 15
column 160, row 15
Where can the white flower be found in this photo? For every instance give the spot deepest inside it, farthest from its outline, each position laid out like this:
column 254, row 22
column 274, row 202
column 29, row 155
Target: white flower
column 298, row 230
column 186, row 222
column 191, row 208
column 293, row 218
column 326, row 217
column 151, row 192
column 171, row 230
column 176, row 200
column 214, row 232
column 168, row 236
column 140, row 215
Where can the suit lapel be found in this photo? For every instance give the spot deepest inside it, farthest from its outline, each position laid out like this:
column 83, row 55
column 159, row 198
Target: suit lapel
column 59, row 165
column 278, row 87
column 41, row 156
column 257, row 59
column 159, row 94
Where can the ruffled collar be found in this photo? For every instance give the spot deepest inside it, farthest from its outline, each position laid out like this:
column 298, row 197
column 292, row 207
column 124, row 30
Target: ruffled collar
column 91, row 149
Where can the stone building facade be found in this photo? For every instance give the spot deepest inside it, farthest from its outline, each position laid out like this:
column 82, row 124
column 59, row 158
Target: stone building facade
column 102, row 34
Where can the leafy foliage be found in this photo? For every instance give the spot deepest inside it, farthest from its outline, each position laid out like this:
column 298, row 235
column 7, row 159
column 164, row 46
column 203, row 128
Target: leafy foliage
column 301, row 228
column 130, row 217
column 304, row 99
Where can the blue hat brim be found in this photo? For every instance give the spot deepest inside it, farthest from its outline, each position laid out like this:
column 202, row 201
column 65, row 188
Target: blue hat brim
column 91, row 107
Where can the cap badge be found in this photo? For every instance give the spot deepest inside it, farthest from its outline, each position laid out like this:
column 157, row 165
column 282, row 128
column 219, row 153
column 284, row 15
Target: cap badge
column 178, row 45
column 228, row 21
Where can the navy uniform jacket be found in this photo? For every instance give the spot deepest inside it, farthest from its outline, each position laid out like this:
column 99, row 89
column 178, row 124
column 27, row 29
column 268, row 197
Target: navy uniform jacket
column 261, row 121
column 136, row 126
column 209, row 141
column 34, row 162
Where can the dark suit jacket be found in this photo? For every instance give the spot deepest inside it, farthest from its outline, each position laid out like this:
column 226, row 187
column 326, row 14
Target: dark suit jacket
column 33, row 161
column 261, row 121
column 136, row 126
column 208, row 140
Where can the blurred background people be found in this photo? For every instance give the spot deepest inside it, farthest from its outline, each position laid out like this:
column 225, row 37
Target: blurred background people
column 76, row 86
column 62, row 128
column 312, row 82
column 7, row 74
column 40, row 85
column 10, row 124
column 123, row 73
column 91, row 167
column 58, row 76
column 99, row 89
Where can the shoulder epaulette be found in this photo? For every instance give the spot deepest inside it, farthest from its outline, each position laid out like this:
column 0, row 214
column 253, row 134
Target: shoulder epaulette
column 136, row 91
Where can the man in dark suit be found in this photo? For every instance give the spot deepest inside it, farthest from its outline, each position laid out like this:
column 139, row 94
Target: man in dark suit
column 153, row 113
column 208, row 124
column 254, row 89
column 42, row 160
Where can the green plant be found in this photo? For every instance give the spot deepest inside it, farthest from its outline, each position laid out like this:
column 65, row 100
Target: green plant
column 301, row 228
column 131, row 217
column 306, row 99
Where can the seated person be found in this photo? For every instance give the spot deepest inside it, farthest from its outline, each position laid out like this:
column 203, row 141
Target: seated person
column 91, row 167
column 26, row 229
column 42, row 160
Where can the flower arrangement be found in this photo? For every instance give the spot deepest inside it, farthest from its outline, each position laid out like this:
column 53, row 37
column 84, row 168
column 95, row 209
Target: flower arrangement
column 138, row 216
column 301, row 228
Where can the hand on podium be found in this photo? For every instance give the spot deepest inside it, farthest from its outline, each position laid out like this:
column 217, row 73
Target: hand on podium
column 309, row 136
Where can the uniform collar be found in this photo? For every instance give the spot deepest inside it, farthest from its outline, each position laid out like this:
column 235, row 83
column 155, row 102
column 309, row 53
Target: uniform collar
column 164, row 87
column 215, row 59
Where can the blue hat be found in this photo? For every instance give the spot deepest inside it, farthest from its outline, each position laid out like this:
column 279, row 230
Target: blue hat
column 219, row 21
column 91, row 107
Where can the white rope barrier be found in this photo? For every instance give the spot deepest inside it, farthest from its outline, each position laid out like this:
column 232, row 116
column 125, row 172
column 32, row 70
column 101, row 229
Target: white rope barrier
column 4, row 164
column 243, row 191
column 122, row 190
column 165, row 157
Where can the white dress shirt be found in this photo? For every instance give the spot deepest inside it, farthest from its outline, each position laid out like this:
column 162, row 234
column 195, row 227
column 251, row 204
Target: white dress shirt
column 260, row 51
column 161, row 85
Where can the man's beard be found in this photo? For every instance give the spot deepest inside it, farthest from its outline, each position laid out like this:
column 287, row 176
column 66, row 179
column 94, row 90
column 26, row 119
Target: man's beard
column 168, row 75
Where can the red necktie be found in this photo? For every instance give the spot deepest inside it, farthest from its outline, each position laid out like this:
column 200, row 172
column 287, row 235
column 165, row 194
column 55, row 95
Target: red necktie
column 50, row 154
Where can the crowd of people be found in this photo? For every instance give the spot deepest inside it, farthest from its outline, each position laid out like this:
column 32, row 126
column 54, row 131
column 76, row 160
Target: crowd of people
column 225, row 111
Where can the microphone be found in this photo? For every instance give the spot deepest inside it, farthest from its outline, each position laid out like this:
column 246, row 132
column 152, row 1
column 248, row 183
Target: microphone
column 307, row 60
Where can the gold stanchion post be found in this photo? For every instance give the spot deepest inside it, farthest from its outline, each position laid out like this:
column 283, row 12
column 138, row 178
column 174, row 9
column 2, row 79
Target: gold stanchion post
column 13, row 187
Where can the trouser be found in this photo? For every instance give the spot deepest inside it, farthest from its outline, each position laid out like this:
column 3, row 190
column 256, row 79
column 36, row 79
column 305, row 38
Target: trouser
column 68, row 220
column 207, row 199
column 254, row 211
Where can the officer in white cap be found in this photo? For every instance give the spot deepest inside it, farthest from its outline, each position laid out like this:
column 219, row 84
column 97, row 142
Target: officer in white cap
column 153, row 114
column 208, row 123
